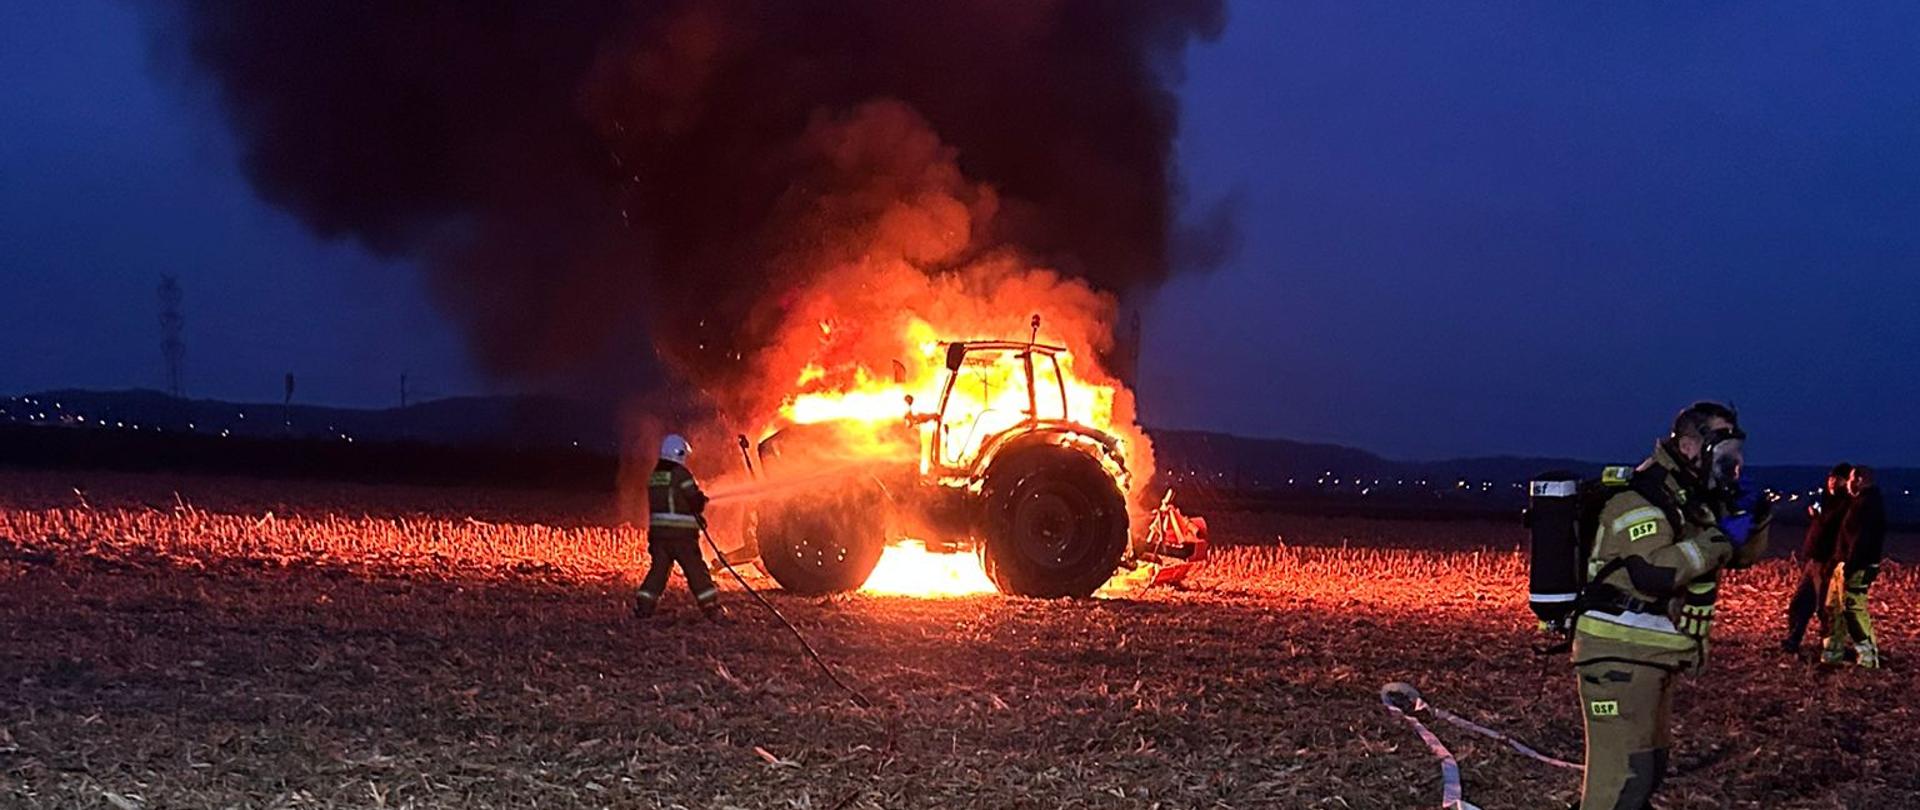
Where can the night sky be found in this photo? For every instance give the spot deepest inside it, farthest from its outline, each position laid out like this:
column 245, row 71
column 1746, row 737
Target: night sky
column 1463, row 231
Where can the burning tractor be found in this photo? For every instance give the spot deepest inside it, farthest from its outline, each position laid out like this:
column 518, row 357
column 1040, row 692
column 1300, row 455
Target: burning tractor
column 1006, row 468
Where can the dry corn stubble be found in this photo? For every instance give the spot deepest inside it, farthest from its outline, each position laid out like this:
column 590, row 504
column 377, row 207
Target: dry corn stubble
column 201, row 654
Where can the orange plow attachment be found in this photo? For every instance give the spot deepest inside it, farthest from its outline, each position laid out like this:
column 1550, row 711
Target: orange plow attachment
column 1174, row 543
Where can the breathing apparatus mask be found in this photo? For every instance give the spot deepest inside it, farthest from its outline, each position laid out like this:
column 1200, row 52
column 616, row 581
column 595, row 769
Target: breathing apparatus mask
column 1722, row 455
column 1715, row 473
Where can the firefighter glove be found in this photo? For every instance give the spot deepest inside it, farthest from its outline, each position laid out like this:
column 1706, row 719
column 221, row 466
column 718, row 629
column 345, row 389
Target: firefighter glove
column 1748, row 498
column 1738, row 528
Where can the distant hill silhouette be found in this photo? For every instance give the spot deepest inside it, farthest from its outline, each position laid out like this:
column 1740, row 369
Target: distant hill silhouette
column 1201, row 464
column 512, row 422
column 1205, row 459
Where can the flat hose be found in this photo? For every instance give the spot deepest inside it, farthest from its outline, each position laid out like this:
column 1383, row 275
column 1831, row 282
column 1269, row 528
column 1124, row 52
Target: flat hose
column 858, row 698
column 1405, row 701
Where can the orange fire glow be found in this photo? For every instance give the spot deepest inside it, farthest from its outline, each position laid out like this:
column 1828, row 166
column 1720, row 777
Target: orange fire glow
column 905, row 257
column 907, row 568
column 987, row 397
column 866, row 350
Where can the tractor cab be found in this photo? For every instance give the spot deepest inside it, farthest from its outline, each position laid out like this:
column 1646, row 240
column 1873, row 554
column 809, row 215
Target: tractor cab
column 991, row 388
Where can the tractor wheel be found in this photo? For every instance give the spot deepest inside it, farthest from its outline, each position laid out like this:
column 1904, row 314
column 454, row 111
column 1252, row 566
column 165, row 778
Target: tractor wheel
column 821, row 548
column 1055, row 524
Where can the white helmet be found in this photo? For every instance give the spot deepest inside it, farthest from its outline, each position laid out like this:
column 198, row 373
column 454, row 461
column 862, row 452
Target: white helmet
column 674, row 448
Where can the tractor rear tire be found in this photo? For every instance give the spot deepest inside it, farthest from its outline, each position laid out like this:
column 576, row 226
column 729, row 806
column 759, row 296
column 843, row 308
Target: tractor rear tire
column 817, row 548
column 1055, row 524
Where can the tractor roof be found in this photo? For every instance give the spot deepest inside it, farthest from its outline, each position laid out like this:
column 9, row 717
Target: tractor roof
column 1010, row 345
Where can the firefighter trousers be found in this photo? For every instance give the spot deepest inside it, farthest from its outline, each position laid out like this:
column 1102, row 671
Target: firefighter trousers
column 1852, row 626
column 1809, row 600
column 685, row 552
column 1629, row 722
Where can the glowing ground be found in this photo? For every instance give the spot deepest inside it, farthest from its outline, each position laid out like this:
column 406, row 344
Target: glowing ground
column 141, row 669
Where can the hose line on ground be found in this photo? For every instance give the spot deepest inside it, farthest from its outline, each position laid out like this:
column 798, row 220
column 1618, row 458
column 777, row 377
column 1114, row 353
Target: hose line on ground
column 1405, row 701
column 858, row 698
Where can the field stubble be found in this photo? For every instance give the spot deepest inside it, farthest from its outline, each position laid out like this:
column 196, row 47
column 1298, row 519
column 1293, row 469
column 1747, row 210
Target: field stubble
column 390, row 647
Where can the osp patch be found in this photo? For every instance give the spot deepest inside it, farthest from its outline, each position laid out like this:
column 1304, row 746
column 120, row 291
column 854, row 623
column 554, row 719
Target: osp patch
column 1645, row 528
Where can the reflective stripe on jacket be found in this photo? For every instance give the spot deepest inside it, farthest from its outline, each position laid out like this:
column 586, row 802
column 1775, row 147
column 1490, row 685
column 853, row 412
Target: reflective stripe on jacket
column 674, row 499
column 1639, row 554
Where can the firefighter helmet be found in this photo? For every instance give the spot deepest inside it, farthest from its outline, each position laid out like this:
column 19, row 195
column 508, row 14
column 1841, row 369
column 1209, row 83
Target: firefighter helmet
column 674, row 448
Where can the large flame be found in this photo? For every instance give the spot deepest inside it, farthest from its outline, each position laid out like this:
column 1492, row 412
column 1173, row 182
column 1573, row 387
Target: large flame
column 990, row 395
column 907, row 568
column 871, row 377
column 900, row 254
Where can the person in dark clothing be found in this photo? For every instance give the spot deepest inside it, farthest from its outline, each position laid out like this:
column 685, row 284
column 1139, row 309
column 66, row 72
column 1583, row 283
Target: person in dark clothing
column 1863, row 538
column 675, row 505
column 1824, row 516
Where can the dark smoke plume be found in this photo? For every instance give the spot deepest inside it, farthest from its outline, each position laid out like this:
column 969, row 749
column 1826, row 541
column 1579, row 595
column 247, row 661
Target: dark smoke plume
column 589, row 182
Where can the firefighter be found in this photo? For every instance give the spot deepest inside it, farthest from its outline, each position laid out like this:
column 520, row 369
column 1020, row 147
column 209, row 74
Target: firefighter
column 676, row 504
column 1824, row 519
column 1647, row 612
column 1862, row 540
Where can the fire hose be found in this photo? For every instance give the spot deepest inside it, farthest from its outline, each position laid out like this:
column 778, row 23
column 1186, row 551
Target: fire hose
column 858, row 698
column 1405, row 701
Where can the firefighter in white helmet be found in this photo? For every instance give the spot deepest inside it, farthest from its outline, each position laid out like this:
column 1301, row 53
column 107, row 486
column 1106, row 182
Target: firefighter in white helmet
column 675, row 504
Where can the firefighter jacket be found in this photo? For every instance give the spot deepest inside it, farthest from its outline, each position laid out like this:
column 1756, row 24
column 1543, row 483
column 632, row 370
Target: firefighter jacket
column 1863, row 536
column 1823, row 533
column 1654, row 573
column 674, row 503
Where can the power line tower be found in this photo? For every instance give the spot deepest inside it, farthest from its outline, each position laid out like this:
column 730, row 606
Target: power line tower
column 172, row 348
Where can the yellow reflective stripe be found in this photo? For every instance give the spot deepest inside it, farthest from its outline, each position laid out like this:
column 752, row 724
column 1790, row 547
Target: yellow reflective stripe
column 672, row 520
column 1696, row 620
column 1692, row 550
column 1645, row 621
column 1703, row 587
column 1637, row 515
column 687, row 483
column 1669, row 639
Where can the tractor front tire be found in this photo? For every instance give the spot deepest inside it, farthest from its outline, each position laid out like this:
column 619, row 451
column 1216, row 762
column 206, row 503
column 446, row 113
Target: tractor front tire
column 1055, row 523
column 816, row 548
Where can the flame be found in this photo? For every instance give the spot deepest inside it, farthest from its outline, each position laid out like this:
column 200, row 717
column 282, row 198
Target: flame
column 907, row 568
column 881, row 409
column 893, row 280
column 990, row 395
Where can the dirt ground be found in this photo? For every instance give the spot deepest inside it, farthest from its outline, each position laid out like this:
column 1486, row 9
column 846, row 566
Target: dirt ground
column 140, row 668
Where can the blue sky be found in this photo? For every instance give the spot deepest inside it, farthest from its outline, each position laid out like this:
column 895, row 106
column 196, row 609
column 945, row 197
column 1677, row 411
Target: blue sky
column 1465, row 229
column 113, row 173
column 1526, row 228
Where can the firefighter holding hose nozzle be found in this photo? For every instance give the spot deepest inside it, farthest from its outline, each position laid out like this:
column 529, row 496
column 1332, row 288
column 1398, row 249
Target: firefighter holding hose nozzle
column 675, row 508
column 1648, row 606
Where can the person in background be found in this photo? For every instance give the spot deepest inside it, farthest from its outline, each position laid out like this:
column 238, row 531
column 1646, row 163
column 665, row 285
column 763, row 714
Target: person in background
column 1817, row 558
column 1863, row 539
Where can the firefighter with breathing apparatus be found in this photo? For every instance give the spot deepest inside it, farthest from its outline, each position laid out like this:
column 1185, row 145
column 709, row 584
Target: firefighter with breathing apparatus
column 675, row 506
column 1639, row 601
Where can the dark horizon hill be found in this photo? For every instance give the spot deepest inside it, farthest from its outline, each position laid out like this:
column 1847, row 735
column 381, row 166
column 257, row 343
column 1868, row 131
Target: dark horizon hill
column 1198, row 463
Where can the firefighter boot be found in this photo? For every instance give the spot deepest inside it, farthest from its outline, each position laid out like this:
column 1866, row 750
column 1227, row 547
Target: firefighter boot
column 1866, row 655
column 644, row 604
column 1833, row 655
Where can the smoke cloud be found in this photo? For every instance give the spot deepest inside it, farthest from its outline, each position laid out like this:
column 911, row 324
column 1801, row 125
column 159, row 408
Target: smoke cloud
column 592, row 184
